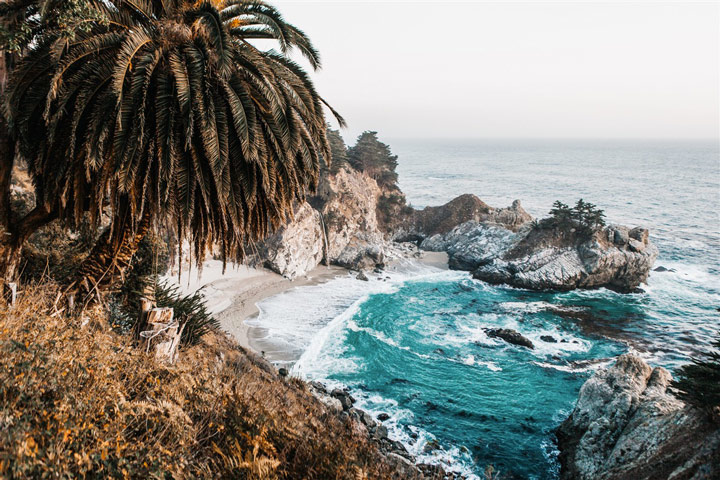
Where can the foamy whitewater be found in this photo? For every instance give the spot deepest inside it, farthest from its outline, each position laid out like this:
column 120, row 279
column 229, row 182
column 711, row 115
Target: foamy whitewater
column 410, row 342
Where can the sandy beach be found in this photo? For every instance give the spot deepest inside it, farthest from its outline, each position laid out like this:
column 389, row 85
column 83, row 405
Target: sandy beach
column 245, row 293
column 232, row 297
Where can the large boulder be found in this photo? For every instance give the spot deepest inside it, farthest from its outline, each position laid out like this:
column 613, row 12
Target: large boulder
column 338, row 224
column 626, row 425
column 296, row 248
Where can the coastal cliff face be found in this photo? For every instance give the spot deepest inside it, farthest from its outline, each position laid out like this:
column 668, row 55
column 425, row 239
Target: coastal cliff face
column 339, row 225
column 348, row 203
column 626, row 425
column 499, row 245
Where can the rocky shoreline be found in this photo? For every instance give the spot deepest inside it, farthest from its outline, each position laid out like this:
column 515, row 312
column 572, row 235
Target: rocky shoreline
column 341, row 403
column 340, row 226
column 627, row 424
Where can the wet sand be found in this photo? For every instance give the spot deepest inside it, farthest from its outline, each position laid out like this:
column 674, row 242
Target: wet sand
column 233, row 297
column 245, row 294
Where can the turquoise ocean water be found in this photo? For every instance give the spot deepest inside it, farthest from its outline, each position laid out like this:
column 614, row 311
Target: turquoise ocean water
column 411, row 343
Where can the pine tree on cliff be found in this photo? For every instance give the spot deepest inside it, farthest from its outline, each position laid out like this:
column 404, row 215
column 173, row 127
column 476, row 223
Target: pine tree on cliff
column 166, row 114
column 338, row 154
column 373, row 157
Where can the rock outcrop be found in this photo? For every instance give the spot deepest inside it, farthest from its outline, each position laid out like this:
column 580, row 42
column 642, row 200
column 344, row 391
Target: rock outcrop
column 341, row 403
column 338, row 224
column 626, row 425
column 472, row 244
column 430, row 221
column 297, row 247
column 348, row 203
column 525, row 256
column 615, row 257
column 510, row 336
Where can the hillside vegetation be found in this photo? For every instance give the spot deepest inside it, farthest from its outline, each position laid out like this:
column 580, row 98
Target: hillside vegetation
column 78, row 400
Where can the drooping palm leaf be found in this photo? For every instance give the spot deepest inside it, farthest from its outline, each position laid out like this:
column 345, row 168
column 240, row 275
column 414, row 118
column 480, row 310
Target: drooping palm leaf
column 167, row 110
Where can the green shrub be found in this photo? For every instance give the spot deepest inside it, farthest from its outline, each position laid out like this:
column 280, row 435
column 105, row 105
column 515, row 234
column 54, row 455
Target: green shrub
column 189, row 310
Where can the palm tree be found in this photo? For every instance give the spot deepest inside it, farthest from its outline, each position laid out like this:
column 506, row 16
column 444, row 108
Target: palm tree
column 166, row 114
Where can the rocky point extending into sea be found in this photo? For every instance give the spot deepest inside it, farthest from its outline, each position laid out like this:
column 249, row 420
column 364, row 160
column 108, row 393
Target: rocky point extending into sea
column 628, row 425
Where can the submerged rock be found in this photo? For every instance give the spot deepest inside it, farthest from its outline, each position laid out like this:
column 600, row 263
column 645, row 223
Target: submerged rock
column 626, row 425
column 510, row 336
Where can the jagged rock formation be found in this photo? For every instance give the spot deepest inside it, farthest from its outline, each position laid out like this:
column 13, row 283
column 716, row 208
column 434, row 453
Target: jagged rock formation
column 345, row 207
column 503, row 246
column 471, row 244
column 626, row 425
column 431, row 221
column 341, row 403
column 349, row 205
column 298, row 247
column 499, row 245
column 615, row 257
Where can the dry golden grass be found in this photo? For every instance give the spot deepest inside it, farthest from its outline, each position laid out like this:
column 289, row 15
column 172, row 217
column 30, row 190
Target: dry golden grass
column 77, row 400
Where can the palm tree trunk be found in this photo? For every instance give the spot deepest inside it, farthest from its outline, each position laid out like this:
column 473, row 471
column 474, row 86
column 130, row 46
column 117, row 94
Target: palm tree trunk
column 105, row 266
column 14, row 235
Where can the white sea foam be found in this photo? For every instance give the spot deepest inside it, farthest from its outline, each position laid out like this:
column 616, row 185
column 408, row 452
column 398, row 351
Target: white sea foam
column 400, row 426
column 573, row 368
column 490, row 366
column 328, row 309
column 320, row 329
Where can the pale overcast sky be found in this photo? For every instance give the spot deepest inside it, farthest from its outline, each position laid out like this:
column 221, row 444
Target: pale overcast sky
column 518, row 70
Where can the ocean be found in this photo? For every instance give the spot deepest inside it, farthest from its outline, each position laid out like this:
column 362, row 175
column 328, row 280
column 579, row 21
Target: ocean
column 410, row 342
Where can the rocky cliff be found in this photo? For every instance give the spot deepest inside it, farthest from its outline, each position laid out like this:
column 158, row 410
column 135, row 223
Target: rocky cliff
column 505, row 246
column 338, row 225
column 626, row 425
